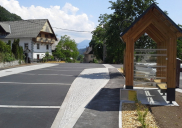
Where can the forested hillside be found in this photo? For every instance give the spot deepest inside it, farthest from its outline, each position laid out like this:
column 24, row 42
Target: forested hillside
column 5, row 15
column 81, row 51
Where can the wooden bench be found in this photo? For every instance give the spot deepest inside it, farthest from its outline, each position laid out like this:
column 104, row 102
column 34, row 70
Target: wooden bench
column 157, row 80
column 161, row 86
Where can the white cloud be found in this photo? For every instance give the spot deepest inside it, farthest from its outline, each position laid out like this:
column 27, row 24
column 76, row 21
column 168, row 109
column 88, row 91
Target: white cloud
column 69, row 8
column 65, row 17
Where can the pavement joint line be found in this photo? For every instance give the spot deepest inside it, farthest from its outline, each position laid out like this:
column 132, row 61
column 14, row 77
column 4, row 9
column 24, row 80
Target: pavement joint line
column 18, row 106
column 34, row 83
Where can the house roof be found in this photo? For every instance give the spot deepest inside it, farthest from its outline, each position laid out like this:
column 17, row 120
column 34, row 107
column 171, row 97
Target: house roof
column 25, row 28
column 88, row 50
column 142, row 15
column 6, row 27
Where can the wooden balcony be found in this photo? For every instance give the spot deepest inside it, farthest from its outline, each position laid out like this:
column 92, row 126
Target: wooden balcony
column 44, row 40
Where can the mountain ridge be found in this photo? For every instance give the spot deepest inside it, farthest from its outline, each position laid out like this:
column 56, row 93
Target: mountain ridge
column 83, row 44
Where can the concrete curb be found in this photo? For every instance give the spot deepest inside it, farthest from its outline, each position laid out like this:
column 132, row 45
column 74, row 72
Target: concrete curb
column 179, row 90
column 120, row 114
column 120, row 111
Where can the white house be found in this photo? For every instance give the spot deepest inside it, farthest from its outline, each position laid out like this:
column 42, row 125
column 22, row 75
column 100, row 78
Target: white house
column 37, row 35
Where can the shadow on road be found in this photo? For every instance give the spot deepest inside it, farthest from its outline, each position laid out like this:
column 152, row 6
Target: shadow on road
column 106, row 100
column 115, row 75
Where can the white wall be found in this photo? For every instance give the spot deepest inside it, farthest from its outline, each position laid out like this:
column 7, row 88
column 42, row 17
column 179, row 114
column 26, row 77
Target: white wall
column 41, row 55
column 41, row 51
column 42, row 48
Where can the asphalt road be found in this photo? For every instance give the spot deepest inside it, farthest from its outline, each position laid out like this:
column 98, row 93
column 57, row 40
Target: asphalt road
column 32, row 99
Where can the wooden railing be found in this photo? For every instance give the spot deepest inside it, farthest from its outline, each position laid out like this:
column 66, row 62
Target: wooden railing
column 44, row 40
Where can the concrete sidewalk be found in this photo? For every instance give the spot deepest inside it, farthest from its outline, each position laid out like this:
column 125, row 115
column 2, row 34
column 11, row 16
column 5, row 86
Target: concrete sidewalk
column 103, row 109
column 81, row 92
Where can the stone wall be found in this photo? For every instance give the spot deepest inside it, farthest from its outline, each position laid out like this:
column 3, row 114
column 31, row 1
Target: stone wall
column 9, row 64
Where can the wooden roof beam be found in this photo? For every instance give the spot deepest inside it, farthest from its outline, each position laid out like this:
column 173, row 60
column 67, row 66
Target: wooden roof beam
column 162, row 27
column 153, row 36
column 159, row 34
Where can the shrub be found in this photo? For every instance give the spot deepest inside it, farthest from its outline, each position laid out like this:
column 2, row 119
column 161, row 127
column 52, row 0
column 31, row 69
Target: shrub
column 7, row 54
column 142, row 111
column 47, row 57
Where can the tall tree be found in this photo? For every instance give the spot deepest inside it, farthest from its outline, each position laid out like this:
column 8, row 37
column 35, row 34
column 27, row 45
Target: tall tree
column 66, row 49
column 112, row 24
column 179, row 45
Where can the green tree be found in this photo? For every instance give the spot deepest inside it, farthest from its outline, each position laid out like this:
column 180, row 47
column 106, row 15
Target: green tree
column 21, row 54
column 80, row 58
column 110, row 26
column 179, row 45
column 66, row 49
column 97, row 42
column 5, row 52
column 15, row 48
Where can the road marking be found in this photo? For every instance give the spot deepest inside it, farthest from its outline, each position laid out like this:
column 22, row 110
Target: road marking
column 108, row 66
column 60, row 70
column 34, row 83
column 17, row 70
column 69, row 67
column 46, row 74
column 17, row 106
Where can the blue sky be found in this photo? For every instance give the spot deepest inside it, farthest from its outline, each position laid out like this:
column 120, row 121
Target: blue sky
column 76, row 14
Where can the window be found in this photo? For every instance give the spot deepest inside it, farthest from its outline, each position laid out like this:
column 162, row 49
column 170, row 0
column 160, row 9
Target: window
column 46, row 36
column 26, row 46
column 37, row 46
column 47, row 46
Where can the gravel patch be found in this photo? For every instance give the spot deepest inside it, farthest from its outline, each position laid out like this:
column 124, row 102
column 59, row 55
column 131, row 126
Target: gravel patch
column 129, row 117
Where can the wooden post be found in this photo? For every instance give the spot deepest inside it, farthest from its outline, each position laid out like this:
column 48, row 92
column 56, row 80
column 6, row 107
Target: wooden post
column 171, row 68
column 129, row 63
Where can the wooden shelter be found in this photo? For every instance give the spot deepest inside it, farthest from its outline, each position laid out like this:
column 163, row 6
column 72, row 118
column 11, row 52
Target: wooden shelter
column 164, row 32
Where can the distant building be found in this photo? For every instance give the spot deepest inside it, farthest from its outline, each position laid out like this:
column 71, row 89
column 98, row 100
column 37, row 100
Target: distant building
column 36, row 35
column 88, row 55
